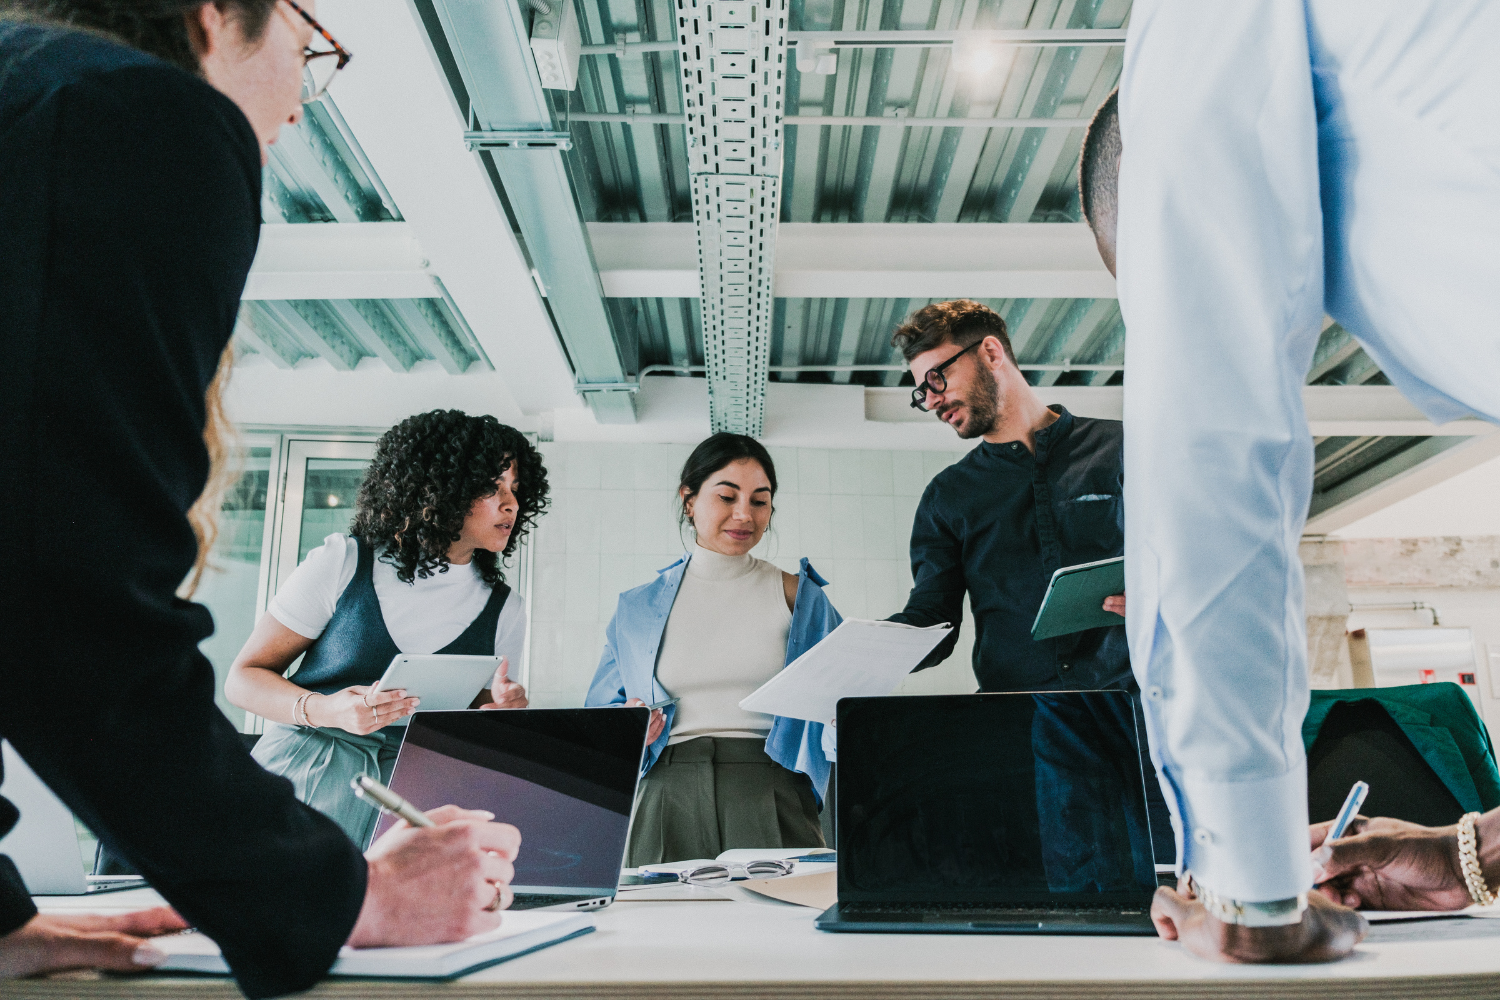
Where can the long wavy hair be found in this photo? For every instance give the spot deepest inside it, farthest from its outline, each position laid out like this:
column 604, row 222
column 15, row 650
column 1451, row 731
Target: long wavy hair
column 428, row 472
column 225, row 462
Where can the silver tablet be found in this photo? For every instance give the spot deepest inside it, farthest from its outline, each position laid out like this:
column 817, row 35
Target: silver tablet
column 444, row 682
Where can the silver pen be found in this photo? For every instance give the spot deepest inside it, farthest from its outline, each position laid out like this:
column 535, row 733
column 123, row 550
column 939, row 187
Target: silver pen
column 386, row 800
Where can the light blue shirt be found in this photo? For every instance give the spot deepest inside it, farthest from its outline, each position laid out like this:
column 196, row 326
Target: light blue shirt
column 628, row 667
column 1281, row 158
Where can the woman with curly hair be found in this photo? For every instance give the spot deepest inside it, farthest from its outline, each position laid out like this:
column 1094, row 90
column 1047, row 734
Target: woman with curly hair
column 445, row 498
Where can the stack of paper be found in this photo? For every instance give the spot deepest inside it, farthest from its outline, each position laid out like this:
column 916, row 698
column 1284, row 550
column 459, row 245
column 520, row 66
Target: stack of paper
column 859, row 659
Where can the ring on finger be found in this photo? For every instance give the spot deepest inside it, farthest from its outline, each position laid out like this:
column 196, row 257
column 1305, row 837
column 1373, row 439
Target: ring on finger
column 494, row 904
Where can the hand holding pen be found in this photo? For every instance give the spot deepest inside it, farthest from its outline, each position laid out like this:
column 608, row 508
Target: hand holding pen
column 440, row 876
column 1387, row 864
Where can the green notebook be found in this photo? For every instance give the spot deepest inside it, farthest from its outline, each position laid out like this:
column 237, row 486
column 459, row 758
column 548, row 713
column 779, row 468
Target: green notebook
column 1075, row 598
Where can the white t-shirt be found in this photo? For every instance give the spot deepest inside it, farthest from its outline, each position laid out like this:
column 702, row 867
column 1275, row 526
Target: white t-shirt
column 422, row 616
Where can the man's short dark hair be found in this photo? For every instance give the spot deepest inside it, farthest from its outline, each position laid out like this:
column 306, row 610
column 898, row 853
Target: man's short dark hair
column 961, row 322
column 1099, row 165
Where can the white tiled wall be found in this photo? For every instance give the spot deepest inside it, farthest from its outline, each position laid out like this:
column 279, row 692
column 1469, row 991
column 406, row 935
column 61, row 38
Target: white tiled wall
column 613, row 525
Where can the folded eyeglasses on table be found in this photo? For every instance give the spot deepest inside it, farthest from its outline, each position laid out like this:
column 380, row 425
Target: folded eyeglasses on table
column 724, row 872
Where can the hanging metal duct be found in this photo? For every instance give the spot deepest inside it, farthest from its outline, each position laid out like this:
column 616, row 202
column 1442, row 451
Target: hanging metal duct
column 733, row 72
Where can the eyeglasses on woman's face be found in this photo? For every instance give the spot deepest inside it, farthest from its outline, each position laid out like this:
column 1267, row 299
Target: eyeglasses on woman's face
column 936, row 381
column 320, row 65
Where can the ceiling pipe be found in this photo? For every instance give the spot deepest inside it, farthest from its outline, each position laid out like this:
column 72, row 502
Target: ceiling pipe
column 691, row 369
column 1400, row 606
column 898, row 39
column 901, row 121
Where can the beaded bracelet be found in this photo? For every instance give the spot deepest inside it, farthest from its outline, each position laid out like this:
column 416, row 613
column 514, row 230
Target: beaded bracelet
column 1468, row 859
column 299, row 710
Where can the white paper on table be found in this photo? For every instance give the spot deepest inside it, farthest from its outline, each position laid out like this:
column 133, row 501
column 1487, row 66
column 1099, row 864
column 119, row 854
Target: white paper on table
column 1393, row 916
column 859, row 659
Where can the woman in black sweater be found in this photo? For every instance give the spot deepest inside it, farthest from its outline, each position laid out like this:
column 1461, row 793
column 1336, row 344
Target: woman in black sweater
column 129, row 214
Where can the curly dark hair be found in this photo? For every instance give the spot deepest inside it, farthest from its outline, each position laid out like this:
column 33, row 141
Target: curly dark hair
column 428, row 471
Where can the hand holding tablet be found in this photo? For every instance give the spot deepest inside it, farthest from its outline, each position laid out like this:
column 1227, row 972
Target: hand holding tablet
column 439, row 681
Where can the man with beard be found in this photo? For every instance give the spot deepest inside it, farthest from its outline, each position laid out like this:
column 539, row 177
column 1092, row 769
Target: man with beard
column 1041, row 491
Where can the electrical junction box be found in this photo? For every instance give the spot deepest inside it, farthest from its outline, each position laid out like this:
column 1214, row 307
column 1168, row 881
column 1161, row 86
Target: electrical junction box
column 556, row 44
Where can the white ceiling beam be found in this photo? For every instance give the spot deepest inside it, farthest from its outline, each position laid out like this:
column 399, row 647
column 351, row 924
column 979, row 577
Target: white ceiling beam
column 1332, row 410
column 344, row 260
column 1419, row 476
column 1372, row 410
column 869, row 260
column 398, row 105
column 370, row 260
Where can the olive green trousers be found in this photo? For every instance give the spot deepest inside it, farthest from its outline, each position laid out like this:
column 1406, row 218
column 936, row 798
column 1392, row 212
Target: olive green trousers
column 714, row 794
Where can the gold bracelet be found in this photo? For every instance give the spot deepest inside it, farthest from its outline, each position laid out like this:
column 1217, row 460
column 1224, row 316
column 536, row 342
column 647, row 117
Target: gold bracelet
column 300, row 709
column 1468, row 860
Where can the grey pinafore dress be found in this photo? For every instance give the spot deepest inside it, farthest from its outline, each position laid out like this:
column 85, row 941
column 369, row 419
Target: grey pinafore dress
column 355, row 648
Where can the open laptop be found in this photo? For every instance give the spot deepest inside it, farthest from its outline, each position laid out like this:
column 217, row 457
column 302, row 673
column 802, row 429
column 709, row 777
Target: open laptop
column 992, row 814
column 565, row 777
column 44, row 842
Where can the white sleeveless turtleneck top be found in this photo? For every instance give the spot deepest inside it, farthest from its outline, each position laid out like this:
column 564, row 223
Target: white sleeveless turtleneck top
column 726, row 636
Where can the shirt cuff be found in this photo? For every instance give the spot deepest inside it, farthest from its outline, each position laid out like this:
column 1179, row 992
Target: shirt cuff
column 1247, row 840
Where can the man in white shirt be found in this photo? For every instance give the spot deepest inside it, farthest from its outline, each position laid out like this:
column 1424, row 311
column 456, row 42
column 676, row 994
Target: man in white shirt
column 1286, row 157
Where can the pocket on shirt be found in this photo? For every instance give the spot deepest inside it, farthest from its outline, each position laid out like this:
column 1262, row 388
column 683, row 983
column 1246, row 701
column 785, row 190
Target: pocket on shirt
column 1091, row 526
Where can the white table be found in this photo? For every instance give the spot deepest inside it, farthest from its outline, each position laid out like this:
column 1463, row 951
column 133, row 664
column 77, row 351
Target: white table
column 724, row 950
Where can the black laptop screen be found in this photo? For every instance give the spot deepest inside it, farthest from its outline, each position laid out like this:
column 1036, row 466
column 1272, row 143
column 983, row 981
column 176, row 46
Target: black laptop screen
column 564, row 777
column 992, row 798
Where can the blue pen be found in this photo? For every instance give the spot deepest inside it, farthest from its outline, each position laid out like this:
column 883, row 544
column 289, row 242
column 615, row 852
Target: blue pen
column 1349, row 811
column 1346, row 816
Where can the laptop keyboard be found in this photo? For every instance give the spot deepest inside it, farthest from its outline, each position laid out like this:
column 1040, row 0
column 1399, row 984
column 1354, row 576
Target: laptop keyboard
column 972, row 910
column 532, row 900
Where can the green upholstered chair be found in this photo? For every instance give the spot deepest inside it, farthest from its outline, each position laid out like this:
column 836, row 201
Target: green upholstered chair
column 1439, row 726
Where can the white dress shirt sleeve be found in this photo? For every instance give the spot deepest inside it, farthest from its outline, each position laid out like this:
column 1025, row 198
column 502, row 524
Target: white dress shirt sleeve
column 305, row 603
column 1220, row 261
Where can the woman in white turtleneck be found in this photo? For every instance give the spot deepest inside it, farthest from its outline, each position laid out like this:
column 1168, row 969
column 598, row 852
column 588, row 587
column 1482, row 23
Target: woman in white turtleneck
column 712, row 628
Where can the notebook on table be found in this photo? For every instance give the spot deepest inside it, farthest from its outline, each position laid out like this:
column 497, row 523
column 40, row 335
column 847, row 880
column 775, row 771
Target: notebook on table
column 564, row 777
column 518, row 934
column 992, row 814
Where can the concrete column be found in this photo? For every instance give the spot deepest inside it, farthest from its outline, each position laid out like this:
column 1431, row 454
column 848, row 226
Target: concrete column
column 1327, row 614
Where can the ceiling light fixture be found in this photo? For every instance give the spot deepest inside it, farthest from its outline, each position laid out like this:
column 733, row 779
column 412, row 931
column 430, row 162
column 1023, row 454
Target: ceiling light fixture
column 975, row 57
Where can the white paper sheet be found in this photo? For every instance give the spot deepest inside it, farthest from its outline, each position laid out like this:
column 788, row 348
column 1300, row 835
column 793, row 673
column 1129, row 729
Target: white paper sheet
column 1390, row 916
column 857, row 659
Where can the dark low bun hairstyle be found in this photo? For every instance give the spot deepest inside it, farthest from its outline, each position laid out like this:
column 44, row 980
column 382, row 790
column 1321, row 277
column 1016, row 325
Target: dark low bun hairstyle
column 428, row 471
column 711, row 455
column 155, row 27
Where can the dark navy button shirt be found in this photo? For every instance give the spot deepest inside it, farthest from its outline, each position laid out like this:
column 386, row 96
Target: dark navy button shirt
column 996, row 525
